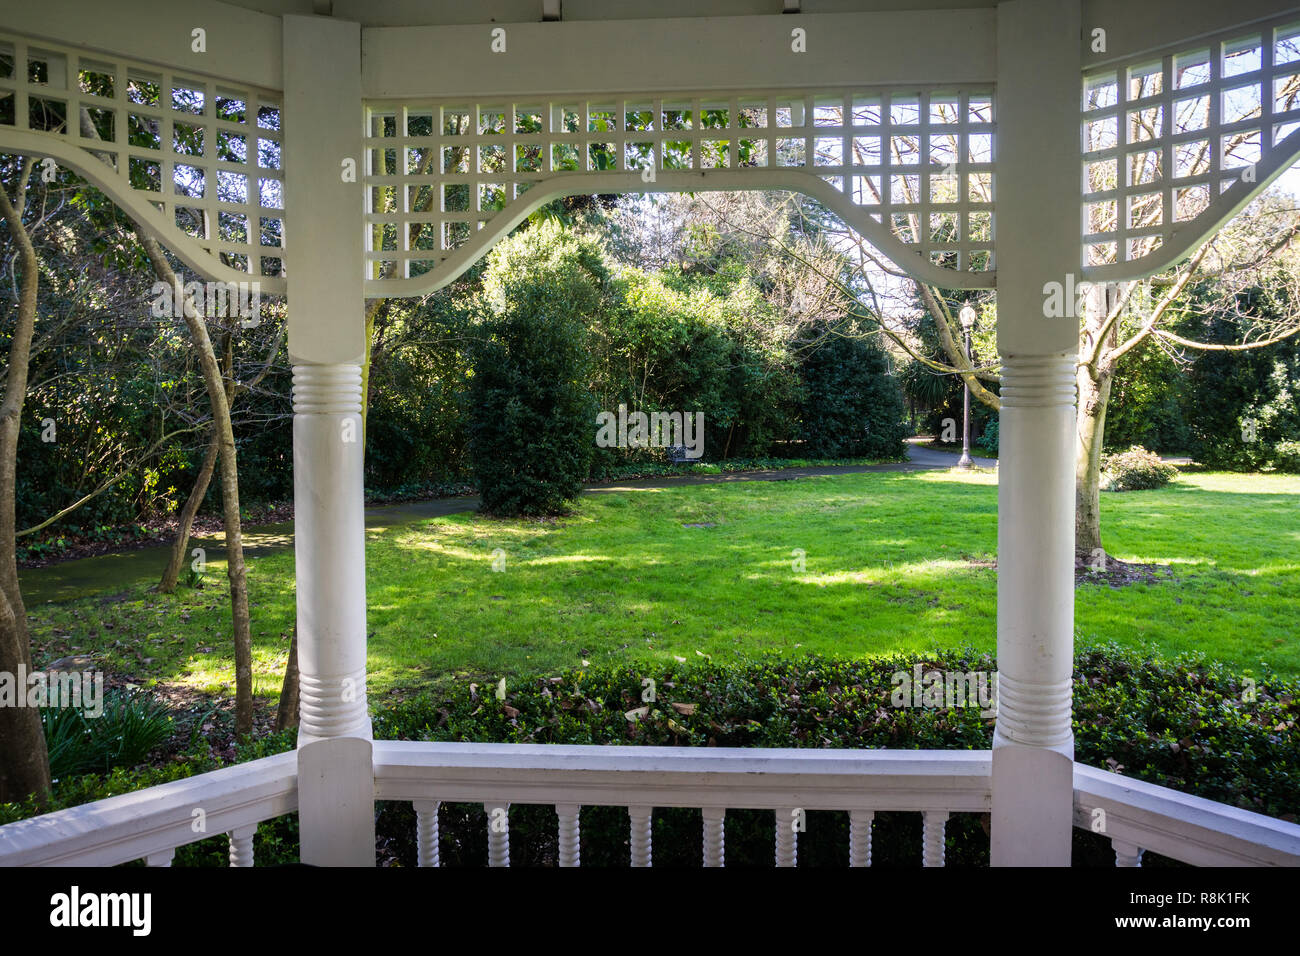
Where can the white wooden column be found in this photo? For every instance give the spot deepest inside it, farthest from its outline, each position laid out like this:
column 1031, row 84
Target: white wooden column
column 323, row 130
column 1039, row 238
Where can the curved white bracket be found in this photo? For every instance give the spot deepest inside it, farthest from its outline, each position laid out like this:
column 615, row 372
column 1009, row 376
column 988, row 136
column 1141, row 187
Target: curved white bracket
column 133, row 203
column 587, row 183
column 1188, row 235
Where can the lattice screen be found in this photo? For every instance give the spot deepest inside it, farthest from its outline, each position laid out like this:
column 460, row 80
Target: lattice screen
column 920, row 163
column 205, row 153
column 1164, row 136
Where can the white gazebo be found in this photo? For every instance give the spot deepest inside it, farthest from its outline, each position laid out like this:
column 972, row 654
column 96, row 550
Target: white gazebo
column 387, row 144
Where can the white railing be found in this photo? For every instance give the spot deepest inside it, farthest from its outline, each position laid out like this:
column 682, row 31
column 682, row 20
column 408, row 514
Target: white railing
column 934, row 782
column 149, row 824
column 1140, row 816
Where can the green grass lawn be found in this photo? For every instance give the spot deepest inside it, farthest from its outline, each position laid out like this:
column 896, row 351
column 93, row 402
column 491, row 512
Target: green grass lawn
column 892, row 562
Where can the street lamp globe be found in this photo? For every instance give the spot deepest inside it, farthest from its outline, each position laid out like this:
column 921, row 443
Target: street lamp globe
column 967, row 317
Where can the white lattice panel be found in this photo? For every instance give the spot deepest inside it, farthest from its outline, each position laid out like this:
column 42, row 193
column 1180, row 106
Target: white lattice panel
column 204, row 153
column 443, row 178
column 1165, row 136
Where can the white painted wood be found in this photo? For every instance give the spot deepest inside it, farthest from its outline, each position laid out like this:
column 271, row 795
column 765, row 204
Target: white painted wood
column 860, row 837
column 426, row 829
column 747, row 52
column 336, row 802
column 108, row 163
column 787, row 839
column 714, row 836
column 1038, row 89
column 329, row 546
column 453, row 262
column 1193, row 203
column 873, row 155
column 1135, row 29
column 161, row 858
column 1126, row 854
column 1183, row 827
column 155, row 820
column 326, row 343
column 718, row 777
column 640, row 840
column 933, row 825
column 570, row 843
column 151, row 822
column 321, row 80
column 243, row 46
column 498, row 824
column 241, row 845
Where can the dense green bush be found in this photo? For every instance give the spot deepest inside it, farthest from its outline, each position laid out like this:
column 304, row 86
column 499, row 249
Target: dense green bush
column 415, row 425
column 1146, row 404
column 1187, row 724
column 1241, row 405
column 679, row 343
column 1286, row 457
column 1134, row 470
column 990, row 437
column 531, row 419
column 852, row 404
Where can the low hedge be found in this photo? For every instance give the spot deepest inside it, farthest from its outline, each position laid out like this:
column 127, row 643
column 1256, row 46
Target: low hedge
column 1188, row 724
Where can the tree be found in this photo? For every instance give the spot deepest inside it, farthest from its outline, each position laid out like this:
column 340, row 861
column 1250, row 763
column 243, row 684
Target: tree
column 1117, row 320
column 852, row 405
column 236, row 571
column 24, row 763
column 223, row 436
column 531, row 418
column 234, row 389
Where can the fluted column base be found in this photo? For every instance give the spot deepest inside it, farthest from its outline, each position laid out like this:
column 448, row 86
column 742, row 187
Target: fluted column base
column 1033, row 744
column 329, row 543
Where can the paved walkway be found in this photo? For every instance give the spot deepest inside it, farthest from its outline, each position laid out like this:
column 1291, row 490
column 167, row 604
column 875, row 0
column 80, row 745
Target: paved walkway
column 106, row 573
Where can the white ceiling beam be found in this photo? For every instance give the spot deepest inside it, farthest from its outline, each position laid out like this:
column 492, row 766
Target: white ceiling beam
column 723, row 53
column 1135, row 28
column 241, row 45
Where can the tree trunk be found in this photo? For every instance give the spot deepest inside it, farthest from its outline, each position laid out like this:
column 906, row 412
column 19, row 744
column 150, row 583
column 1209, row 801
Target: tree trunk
column 1094, row 396
column 287, row 715
column 225, row 436
column 200, row 490
column 24, row 760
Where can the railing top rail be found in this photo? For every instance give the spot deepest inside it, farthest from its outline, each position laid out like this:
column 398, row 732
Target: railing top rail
column 1180, row 826
column 134, row 825
column 957, row 781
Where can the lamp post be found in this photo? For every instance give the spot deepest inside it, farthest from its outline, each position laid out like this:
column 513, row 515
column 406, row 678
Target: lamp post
column 967, row 317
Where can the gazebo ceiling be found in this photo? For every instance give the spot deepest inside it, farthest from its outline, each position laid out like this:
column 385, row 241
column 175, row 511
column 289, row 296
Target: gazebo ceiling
column 390, row 13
